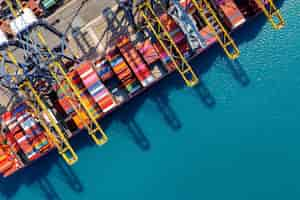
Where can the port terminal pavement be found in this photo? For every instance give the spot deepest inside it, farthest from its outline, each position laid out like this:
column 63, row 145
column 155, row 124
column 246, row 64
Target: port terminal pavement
column 89, row 35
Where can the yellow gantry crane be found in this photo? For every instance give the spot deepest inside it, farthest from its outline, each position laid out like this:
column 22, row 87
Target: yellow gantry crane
column 272, row 13
column 167, row 43
column 81, row 108
column 40, row 110
column 209, row 16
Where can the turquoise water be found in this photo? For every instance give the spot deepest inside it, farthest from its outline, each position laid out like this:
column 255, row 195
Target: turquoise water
column 168, row 144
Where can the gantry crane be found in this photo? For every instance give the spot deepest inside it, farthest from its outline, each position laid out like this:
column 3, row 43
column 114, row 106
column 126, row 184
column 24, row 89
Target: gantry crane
column 32, row 33
column 206, row 12
column 164, row 38
column 22, row 78
column 272, row 13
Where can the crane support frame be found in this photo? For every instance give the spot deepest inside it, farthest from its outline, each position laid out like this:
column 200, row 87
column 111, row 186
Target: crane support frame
column 168, row 44
column 206, row 12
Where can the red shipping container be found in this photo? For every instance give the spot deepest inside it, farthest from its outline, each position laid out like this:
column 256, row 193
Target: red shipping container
column 168, row 22
column 107, row 103
column 179, row 37
column 83, row 67
column 232, row 15
column 135, row 62
column 148, row 51
column 163, row 55
column 183, row 47
column 90, row 80
column 73, row 75
column 207, row 34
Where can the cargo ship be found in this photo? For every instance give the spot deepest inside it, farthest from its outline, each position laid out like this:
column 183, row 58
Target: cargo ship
column 106, row 83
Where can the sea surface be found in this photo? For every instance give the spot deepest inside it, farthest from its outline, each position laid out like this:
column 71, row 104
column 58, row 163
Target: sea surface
column 236, row 136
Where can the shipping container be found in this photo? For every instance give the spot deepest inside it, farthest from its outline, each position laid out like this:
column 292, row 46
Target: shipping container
column 135, row 61
column 103, row 69
column 148, row 51
column 95, row 87
column 121, row 69
column 230, row 13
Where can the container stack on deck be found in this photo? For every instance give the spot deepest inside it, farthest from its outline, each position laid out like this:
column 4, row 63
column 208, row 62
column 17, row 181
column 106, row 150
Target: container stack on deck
column 24, row 135
column 204, row 30
column 178, row 37
column 230, row 13
column 95, row 87
column 67, row 103
column 147, row 50
column 135, row 61
column 30, row 127
column 9, row 161
column 103, row 69
column 122, row 71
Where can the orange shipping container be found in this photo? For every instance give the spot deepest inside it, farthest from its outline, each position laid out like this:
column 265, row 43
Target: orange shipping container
column 78, row 122
column 5, row 165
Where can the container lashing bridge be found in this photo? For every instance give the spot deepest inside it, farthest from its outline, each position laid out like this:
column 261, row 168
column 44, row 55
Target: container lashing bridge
column 206, row 12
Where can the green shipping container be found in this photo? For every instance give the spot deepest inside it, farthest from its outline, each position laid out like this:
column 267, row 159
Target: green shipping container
column 47, row 4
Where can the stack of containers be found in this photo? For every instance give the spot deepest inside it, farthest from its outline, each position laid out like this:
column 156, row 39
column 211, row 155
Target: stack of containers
column 32, row 139
column 178, row 37
column 187, row 5
column 6, row 163
column 230, row 13
column 93, row 107
column 205, row 32
column 65, row 102
column 11, row 123
column 9, row 163
column 164, row 57
column 22, row 140
column 122, row 71
column 103, row 69
column 148, row 51
column 208, row 36
column 95, row 87
column 135, row 61
column 91, row 104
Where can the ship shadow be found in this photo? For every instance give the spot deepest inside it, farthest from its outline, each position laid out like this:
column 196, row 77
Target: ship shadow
column 37, row 173
column 47, row 187
column 137, row 134
column 126, row 116
column 159, row 95
column 168, row 113
column 69, row 176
